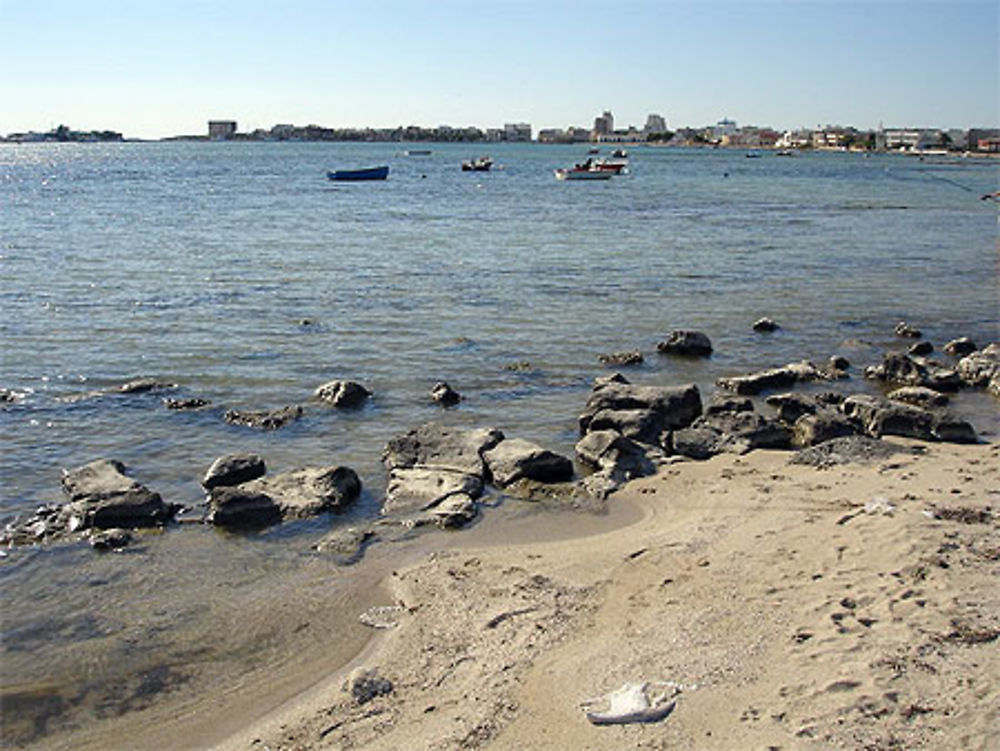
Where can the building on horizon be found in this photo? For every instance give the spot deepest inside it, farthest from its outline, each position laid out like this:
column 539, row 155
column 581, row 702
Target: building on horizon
column 517, row 132
column 221, row 130
column 603, row 125
column 655, row 124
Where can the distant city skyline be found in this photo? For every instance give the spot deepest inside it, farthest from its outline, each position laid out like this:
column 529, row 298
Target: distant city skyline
column 162, row 69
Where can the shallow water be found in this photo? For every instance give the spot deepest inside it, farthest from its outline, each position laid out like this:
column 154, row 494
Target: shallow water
column 199, row 263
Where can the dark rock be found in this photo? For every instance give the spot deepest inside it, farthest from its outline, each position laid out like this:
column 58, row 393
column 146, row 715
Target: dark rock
column 242, row 507
column 434, row 444
column 877, row 417
column 110, row 539
column 847, row 450
column 775, row 378
column 623, row 359
column 696, row 442
column 675, row 407
column 791, row 406
column 309, row 491
column 765, row 325
column 613, row 378
column 906, row 371
column 721, row 402
column 264, row 420
column 234, row 469
column 143, row 385
column 344, row 394
column 520, row 366
column 7, row 396
column 102, row 496
column 365, row 685
column 921, row 349
column 515, row 459
column 731, row 432
column 906, row 330
column 192, row 403
column 822, row 426
column 642, row 425
column 951, row 429
column 445, row 395
column 960, row 347
column 838, row 362
column 690, row 343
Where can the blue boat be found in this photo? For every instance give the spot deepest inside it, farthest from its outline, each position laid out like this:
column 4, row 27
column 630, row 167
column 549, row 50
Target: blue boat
column 372, row 173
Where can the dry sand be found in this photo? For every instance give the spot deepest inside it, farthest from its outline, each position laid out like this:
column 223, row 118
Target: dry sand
column 792, row 617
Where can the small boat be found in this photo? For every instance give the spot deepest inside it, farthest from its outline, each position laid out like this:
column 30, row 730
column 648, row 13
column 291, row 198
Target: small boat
column 418, row 152
column 482, row 164
column 371, row 173
column 585, row 171
column 784, row 152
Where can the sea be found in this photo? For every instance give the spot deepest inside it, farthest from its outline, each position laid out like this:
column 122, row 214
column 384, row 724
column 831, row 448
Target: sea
column 238, row 273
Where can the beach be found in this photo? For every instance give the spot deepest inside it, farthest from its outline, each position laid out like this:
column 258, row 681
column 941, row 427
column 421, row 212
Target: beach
column 844, row 606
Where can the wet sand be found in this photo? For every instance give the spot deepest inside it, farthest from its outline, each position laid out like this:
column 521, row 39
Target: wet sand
column 791, row 616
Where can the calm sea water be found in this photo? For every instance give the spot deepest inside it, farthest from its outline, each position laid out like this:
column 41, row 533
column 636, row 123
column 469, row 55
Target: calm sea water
column 198, row 263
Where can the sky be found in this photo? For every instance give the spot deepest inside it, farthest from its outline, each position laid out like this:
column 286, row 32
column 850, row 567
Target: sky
column 153, row 68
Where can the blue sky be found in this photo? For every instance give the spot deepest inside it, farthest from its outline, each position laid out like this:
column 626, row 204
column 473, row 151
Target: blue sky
column 151, row 69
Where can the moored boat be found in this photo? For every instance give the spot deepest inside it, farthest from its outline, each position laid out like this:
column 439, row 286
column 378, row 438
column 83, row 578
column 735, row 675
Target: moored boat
column 585, row 171
column 481, row 164
column 370, row 173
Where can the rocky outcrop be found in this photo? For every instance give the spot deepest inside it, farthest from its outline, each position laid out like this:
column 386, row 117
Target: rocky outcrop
column 821, row 426
column 343, row 394
column 775, row 378
column 516, row 459
column 622, row 359
column 982, row 369
column 904, row 370
column 272, row 419
column 919, row 396
column 688, row 343
column 729, row 432
column 960, row 347
column 848, row 450
column 102, row 496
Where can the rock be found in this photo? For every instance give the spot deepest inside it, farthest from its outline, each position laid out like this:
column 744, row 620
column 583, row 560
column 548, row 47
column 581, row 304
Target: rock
column 234, row 469
column 296, row 494
column 721, row 402
column 264, row 420
column 847, row 450
column 765, row 326
column 822, row 426
column 791, row 406
column 435, row 445
column 960, row 347
column 520, row 366
column 838, row 362
column 7, row 396
column 789, row 375
column 454, row 511
column 613, row 378
column 919, row 396
column 143, row 385
column 906, row 371
column 623, row 359
column 921, row 349
column 642, row 425
column 192, row 403
column 613, row 453
column 877, row 417
column 445, row 395
column 421, row 488
column 309, row 491
column 343, row 394
column 730, row 432
column 365, row 685
column 951, row 429
column 675, row 407
column 980, row 368
column 906, row 330
column 241, row 507
column 110, row 539
column 690, row 343
column 102, row 496
column 346, row 545
column 515, row 459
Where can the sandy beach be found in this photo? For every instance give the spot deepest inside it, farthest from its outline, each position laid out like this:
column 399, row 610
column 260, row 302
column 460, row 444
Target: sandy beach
column 848, row 606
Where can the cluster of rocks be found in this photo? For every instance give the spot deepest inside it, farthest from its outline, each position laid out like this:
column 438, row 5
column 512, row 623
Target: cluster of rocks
column 437, row 475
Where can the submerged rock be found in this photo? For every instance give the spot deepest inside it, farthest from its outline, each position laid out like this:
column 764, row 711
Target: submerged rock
column 143, row 385
column 623, row 359
column 765, row 325
column 266, row 419
column 445, row 395
column 343, row 394
column 906, row 330
column 690, row 343
column 184, row 404
column 775, row 378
